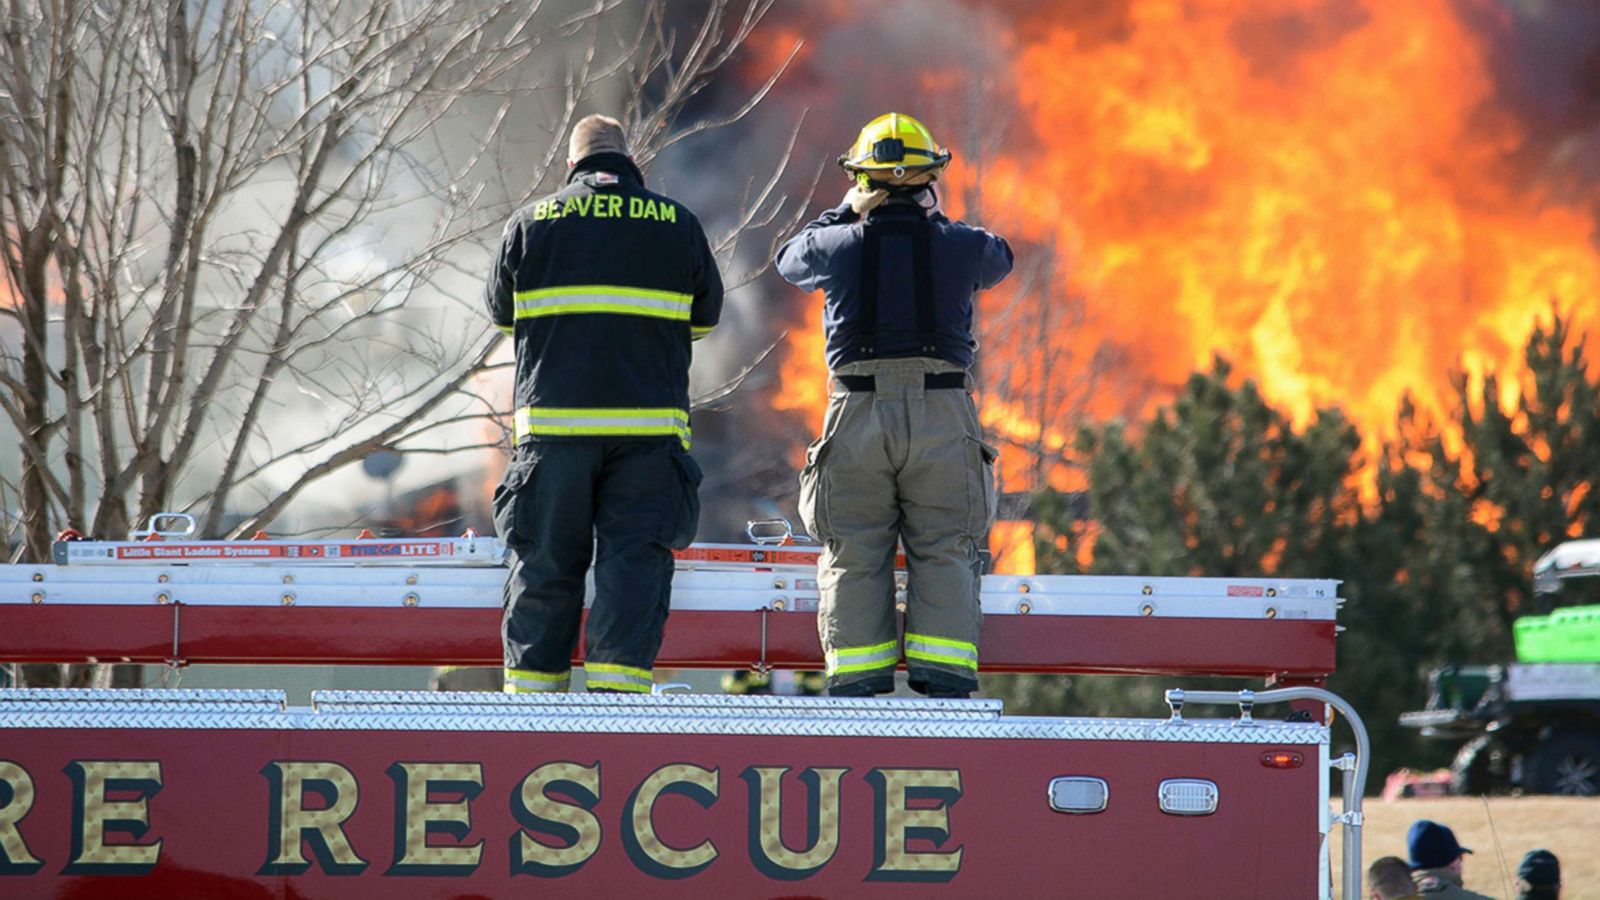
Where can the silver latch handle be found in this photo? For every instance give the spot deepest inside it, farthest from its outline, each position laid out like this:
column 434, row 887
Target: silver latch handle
column 769, row 531
column 162, row 525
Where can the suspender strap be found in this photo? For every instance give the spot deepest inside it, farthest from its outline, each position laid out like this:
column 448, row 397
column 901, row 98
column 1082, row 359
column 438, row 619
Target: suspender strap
column 922, row 282
column 921, row 237
column 871, row 256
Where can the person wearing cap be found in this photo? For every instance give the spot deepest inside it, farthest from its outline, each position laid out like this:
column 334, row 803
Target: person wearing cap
column 1436, row 862
column 901, row 458
column 602, row 286
column 1539, row 876
column 1389, row 878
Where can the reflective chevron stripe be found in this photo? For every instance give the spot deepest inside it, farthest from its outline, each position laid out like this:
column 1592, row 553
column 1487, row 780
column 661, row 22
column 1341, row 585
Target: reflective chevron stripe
column 926, row 648
column 506, row 329
column 696, row 332
column 528, row 681
column 609, row 299
column 616, row 677
column 844, row 660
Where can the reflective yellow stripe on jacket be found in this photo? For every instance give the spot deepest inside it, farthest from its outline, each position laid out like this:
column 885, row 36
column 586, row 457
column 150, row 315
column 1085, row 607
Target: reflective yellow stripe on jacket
column 610, row 299
column 544, row 421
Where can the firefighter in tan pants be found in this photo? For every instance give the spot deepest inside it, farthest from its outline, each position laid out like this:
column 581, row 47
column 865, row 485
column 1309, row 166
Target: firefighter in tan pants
column 901, row 458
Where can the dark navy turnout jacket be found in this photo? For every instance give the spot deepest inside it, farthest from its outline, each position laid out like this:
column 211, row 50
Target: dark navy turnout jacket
column 835, row 254
column 603, row 285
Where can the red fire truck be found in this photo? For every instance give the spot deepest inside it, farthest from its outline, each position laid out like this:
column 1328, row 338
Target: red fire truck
column 234, row 793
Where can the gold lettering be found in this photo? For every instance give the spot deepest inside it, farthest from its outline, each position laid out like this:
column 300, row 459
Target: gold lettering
column 639, row 836
column 571, row 822
column 292, row 825
column 767, row 849
column 898, row 822
column 16, row 798
column 94, row 814
column 416, row 817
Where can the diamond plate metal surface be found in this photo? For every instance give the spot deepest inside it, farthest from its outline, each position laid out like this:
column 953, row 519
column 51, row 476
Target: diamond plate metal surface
column 193, row 699
column 660, row 705
column 702, row 714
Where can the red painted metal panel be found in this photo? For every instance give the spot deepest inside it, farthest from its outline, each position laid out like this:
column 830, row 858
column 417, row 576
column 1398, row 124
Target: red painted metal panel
column 51, row 634
column 694, row 639
column 212, row 815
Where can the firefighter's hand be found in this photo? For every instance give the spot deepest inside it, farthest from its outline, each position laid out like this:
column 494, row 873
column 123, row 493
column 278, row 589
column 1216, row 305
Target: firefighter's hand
column 862, row 200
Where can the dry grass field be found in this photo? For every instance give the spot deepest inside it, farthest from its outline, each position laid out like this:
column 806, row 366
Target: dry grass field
column 1568, row 827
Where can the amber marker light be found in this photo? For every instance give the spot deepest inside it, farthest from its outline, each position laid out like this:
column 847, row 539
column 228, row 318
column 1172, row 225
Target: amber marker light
column 1282, row 759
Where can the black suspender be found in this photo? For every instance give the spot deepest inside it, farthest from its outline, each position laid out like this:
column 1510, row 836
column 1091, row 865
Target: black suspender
column 871, row 256
column 922, row 282
column 921, row 236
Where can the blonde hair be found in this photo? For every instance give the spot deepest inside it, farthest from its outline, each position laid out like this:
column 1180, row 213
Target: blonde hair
column 596, row 134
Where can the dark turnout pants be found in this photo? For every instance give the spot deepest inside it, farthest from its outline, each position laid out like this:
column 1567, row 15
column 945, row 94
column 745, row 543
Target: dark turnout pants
column 625, row 504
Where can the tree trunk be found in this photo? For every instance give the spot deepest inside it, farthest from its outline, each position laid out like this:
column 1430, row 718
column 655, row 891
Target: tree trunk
column 35, row 403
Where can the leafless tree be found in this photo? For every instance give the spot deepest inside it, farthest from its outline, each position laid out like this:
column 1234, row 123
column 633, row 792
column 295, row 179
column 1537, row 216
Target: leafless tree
column 243, row 240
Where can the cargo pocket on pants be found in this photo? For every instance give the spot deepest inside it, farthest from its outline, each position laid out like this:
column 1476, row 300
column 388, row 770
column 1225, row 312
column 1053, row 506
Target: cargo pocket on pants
column 813, row 497
column 982, row 499
column 512, row 493
column 687, row 519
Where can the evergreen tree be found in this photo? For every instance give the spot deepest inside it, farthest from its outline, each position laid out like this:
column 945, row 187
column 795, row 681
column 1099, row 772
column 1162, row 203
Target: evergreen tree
column 1218, row 484
column 1436, row 561
column 1530, row 474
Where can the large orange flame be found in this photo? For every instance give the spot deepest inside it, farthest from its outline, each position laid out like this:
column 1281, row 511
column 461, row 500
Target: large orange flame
column 1335, row 220
column 1319, row 191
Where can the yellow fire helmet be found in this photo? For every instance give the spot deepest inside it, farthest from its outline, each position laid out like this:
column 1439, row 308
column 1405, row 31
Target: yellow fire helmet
column 898, row 147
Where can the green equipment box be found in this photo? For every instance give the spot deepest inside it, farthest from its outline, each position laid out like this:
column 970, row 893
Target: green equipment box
column 1569, row 635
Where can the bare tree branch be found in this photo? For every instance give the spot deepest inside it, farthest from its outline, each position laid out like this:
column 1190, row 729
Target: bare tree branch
column 239, row 241
column 711, row 398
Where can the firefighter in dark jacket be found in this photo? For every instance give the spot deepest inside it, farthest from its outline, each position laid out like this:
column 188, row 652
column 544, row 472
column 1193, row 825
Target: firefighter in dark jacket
column 901, row 457
column 602, row 285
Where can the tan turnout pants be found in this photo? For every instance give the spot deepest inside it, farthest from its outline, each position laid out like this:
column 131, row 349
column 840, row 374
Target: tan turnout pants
column 899, row 463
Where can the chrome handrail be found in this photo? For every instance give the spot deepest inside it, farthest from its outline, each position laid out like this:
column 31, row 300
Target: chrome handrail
column 1354, row 769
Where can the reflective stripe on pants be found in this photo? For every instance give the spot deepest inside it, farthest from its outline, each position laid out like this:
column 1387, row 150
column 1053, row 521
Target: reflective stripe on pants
column 528, row 681
column 848, row 660
column 941, row 650
column 615, row 677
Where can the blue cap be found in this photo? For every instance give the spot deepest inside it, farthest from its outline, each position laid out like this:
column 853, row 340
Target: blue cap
column 1432, row 845
column 1540, row 868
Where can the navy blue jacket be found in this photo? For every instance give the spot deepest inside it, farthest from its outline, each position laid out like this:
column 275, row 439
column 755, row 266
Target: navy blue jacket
column 603, row 285
column 826, row 255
